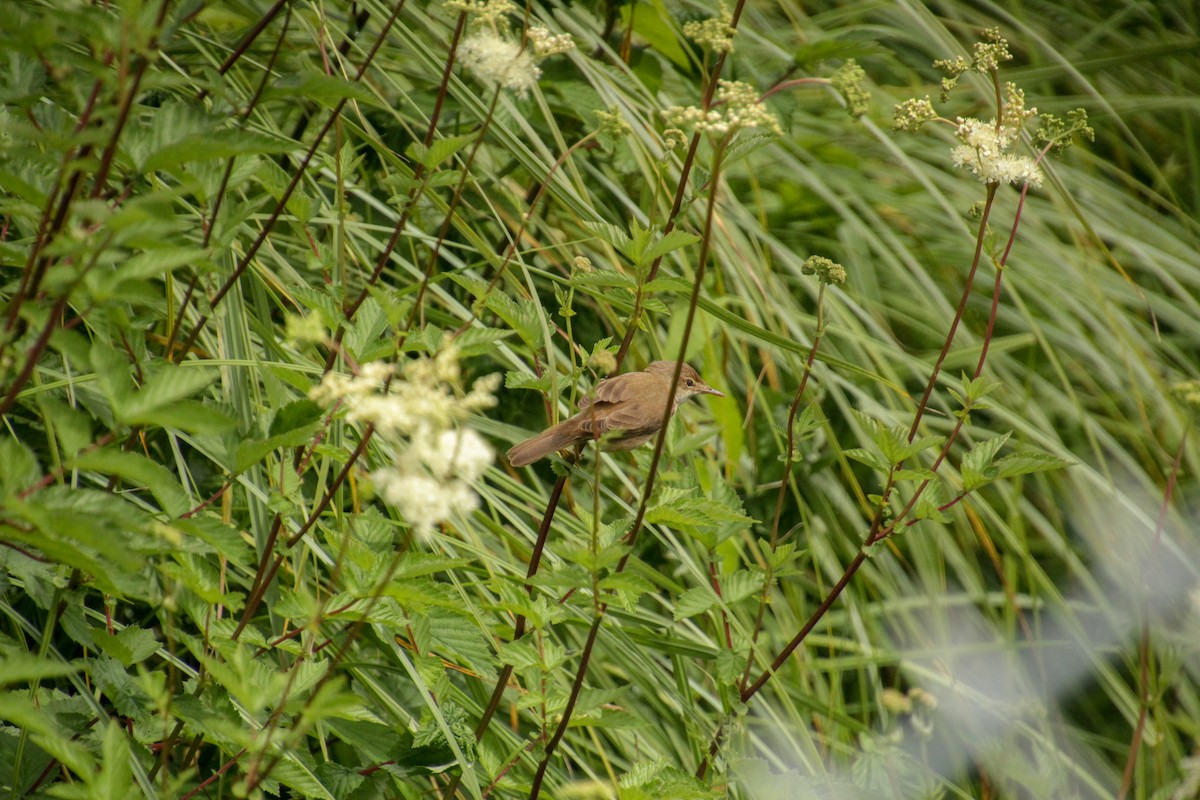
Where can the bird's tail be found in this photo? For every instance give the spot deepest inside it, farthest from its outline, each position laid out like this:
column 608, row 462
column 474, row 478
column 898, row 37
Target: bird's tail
column 548, row 441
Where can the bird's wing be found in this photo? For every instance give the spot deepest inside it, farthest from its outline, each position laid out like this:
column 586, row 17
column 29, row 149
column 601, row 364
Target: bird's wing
column 618, row 388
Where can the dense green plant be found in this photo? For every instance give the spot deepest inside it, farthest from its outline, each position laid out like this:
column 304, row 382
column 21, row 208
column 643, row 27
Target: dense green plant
column 282, row 278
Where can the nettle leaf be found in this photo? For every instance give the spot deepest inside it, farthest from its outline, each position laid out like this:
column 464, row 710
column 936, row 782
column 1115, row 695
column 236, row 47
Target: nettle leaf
column 129, row 646
column 479, row 340
column 18, row 667
column 866, row 457
column 365, row 339
column 152, row 263
column 976, row 467
column 441, row 149
column 740, row 585
column 298, row 414
column 452, row 633
column 1027, row 462
column 974, row 390
column 139, row 470
column 606, row 279
column 524, row 317
column 126, row 693
column 168, row 384
column 892, row 441
column 928, row 507
column 321, row 88
column 667, row 285
column 674, row 240
column 520, row 380
column 609, row 234
column 695, row 601
column 18, row 467
column 253, row 451
column 920, row 474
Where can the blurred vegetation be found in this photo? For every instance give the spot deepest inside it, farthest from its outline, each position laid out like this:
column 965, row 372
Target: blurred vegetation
column 260, row 260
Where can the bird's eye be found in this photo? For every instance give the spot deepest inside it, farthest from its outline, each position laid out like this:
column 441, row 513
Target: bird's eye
column 689, row 382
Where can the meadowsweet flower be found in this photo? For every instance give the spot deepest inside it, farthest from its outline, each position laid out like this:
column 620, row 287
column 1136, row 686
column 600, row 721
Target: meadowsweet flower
column 827, row 271
column 421, row 407
column 913, row 113
column 983, row 147
column 715, row 34
column 486, row 12
column 848, row 81
column 612, row 123
column 737, row 107
column 547, row 44
column 984, row 151
column 497, row 61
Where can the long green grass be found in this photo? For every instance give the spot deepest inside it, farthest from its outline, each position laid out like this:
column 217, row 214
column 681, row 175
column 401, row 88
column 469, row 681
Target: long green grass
column 210, row 209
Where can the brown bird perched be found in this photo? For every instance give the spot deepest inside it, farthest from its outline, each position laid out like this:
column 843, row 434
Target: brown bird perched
column 629, row 407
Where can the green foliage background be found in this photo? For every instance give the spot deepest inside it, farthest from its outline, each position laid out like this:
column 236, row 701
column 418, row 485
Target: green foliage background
column 200, row 593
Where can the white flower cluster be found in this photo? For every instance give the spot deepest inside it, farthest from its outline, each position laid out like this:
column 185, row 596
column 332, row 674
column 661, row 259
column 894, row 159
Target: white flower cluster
column 547, row 44
column 431, row 479
column 432, row 474
column 497, row 61
column 737, row 107
column 716, row 33
column 493, row 57
column 984, row 150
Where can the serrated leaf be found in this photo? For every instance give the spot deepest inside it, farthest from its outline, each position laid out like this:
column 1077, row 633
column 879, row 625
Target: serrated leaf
column 695, row 601
column 1028, row 462
column 478, row 341
column 252, row 451
column 169, row 384
column 441, row 149
column 928, row 507
column 918, row 474
column 190, row 416
column 976, row 467
column 521, row 380
column 740, row 585
column 129, row 646
column 295, row 415
column 17, row 667
column 141, row 471
column 667, row 285
column 152, row 263
column 214, row 144
column 866, row 457
column 626, row 582
column 606, row 279
column 673, row 240
column 608, row 233
column 18, row 467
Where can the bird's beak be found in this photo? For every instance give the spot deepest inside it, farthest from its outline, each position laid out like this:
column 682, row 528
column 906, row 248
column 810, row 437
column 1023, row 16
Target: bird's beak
column 712, row 391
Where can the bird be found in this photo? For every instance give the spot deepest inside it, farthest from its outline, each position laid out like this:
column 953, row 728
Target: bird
column 628, row 408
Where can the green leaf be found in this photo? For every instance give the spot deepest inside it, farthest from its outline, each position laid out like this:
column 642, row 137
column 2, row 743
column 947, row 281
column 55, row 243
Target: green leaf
column 928, row 507
column 169, row 384
column 129, row 646
column 479, row 341
column 976, row 467
column 17, row 667
column 695, row 601
column 253, row 451
column 866, row 457
column 673, row 240
column 441, row 149
column 1027, row 462
column 18, row 467
column 141, row 471
column 295, row 415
